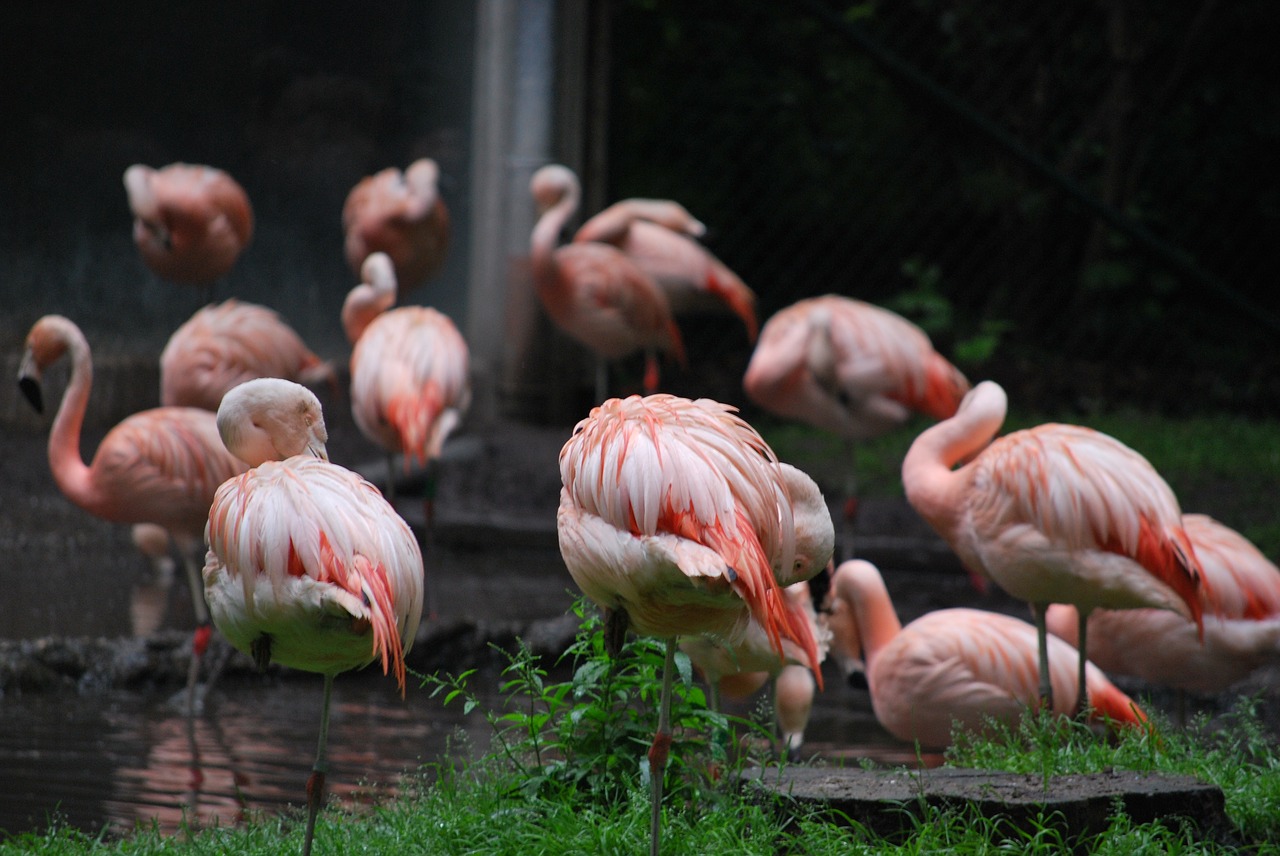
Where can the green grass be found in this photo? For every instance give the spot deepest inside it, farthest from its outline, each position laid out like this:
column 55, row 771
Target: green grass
column 566, row 775
column 1224, row 466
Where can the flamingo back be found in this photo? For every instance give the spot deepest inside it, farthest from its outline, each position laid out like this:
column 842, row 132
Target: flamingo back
column 410, row 381
column 312, row 556
column 692, row 469
column 1082, row 491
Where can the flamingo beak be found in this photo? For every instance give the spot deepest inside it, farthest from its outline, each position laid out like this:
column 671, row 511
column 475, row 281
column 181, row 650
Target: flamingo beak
column 29, row 381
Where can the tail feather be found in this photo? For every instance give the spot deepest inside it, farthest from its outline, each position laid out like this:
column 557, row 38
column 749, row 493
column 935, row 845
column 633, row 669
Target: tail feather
column 735, row 294
column 1107, row 701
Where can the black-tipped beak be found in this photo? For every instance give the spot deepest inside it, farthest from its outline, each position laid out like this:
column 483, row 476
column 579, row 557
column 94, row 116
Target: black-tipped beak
column 31, row 391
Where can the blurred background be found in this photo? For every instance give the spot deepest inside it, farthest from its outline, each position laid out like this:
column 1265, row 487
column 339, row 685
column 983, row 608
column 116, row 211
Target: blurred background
column 1074, row 199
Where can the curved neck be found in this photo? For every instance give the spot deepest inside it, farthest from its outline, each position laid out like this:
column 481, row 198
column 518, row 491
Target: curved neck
column 931, row 485
column 862, row 587
column 546, row 236
column 69, row 469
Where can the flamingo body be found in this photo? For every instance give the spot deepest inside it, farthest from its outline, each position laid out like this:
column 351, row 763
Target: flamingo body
column 677, row 513
column 190, row 221
column 1241, row 607
column 659, row 237
column 400, row 214
column 410, row 380
column 225, row 344
column 592, row 291
column 849, row 367
column 953, row 666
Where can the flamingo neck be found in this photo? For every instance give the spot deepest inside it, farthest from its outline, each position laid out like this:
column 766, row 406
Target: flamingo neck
column 546, row 238
column 69, row 470
column 873, row 610
column 364, row 303
column 934, row 489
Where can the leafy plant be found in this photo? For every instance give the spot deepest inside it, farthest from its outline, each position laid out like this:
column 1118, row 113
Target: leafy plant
column 591, row 732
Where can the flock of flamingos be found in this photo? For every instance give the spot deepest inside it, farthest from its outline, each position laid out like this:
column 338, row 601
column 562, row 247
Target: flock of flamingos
column 675, row 518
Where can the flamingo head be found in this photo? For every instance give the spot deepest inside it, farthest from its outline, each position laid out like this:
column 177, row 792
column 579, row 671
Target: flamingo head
column 270, row 419
column 551, row 184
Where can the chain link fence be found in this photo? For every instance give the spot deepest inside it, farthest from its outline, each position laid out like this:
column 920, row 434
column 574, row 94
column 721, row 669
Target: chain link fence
column 1070, row 198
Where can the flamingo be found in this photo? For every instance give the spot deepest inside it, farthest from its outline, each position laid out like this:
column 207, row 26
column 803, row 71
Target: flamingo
column 410, row 378
column 308, row 565
column 160, row 466
column 592, row 291
column 225, row 344
column 190, row 221
column 740, row 671
column 1241, row 625
column 1053, row 514
column 677, row 519
column 400, row 214
column 659, row 235
column 952, row 666
column 851, row 368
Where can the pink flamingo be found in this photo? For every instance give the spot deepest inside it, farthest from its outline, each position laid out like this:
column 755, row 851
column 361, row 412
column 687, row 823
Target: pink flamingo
column 1241, row 606
column 741, row 670
column 400, row 214
column 677, row 519
column 160, row 466
column 190, row 221
column 410, row 377
column 953, row 666
column 851, row 368
column 1053, row 514
column 592, row 291
column 225, row 344
column 308, row 565
column 659, row 235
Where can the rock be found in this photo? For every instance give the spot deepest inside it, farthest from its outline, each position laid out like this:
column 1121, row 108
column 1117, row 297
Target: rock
column 890, row 802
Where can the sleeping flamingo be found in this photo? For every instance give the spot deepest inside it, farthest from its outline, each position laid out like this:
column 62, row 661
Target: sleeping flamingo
column 953, row 666
column 677, row 519
column 160, row 466
column 400, row 214
column 741, row 670
column 659, row 235
column 225, row 344
column 308, row 565
column 190, row 221
column 851, row 368
column 592, row 291
column 1241, row 606
column 1053, row 514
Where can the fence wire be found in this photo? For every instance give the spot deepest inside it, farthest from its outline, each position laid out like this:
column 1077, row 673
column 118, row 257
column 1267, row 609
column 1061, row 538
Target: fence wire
column 1067, row 197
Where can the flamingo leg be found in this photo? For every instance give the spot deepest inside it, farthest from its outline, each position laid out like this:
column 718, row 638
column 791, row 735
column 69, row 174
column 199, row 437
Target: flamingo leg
column 602, row 379
column 315, row 782
column 661, row 748
column 1082, row 689
column 203, row 632
column 1042, row 643
column 849, row 513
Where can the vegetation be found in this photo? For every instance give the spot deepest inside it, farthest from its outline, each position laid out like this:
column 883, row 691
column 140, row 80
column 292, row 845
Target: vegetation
column 566, row 774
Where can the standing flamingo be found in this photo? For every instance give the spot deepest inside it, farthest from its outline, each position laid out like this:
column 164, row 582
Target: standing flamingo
column 677, row 519
column 190, row 221
column 160, row 466
column 592, row 291
column 659, row 236
column 1053, row 514
column 308, row 565
column 400, row 214
column 741, row 670
column 1241, row 605
column 851, row 368
column 953, row 666
column 225, row 344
